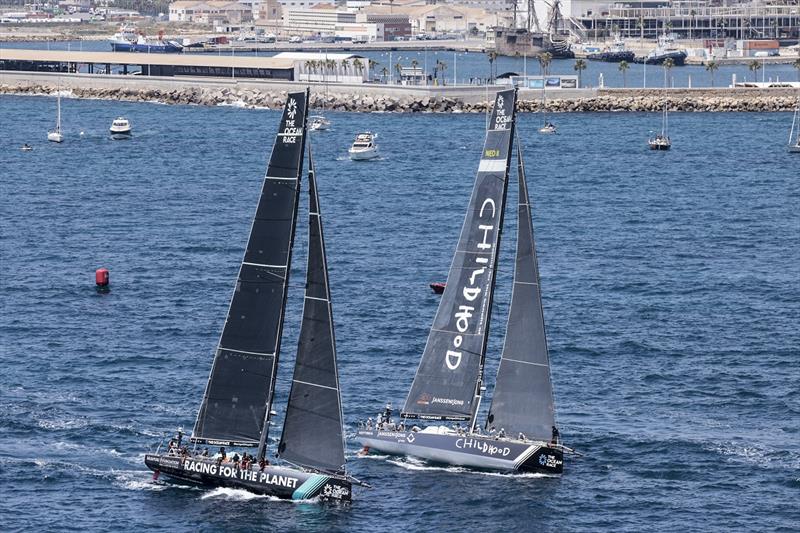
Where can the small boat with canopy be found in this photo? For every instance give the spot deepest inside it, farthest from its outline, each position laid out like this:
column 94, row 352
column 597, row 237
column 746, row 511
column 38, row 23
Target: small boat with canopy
column 236, row 411
column 661, row 141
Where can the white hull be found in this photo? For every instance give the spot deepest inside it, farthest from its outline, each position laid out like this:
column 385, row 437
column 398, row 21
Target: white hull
column 363, row 155
column 473, row 451
column 55, row 137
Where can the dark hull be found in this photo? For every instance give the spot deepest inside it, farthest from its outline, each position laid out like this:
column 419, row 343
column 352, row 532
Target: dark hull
column 612, row 57
column 480, row 452
column 678, row 57
column 280, row 482
column 166, row 48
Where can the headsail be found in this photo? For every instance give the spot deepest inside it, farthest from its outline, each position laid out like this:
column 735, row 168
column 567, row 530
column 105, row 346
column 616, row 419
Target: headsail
column 447, row 383
column 523, row 395
column 312, row 432
column 240, row 388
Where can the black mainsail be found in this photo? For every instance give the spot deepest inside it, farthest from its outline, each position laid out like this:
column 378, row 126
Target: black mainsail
column 523, row 395
column 236, row 404
column 315, row 406
column 447, row 385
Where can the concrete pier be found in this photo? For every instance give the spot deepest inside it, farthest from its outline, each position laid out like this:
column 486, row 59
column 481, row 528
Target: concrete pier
column 391, row 98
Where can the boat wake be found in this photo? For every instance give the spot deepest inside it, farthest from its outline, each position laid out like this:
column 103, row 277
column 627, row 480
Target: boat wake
column 415, row 464
column 241, row 495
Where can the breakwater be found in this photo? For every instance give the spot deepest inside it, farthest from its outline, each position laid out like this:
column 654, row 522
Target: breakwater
column 602, row 100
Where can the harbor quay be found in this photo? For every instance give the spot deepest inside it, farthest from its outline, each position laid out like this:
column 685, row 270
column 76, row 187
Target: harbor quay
column 390, row 98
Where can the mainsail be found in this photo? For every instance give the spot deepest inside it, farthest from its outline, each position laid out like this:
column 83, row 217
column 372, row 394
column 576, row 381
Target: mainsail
column 523, row 395
column 240, row 388
column 312, row 432
column 447, row 383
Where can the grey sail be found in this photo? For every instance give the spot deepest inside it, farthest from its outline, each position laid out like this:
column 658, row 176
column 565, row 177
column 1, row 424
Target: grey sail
column 447, row 383
column 523, row 395
column 240, row 388
column 312, row 431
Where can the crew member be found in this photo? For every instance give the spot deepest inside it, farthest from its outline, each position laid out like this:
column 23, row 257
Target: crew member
column 555, row 435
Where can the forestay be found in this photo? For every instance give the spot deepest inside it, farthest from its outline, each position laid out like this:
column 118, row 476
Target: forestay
column 312, row 432
column 447, row 383
column 523, row 395
column 241, row 384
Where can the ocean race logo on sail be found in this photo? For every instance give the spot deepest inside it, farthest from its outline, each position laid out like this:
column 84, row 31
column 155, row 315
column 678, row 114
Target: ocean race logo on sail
column 230, row 471
column 290, row 130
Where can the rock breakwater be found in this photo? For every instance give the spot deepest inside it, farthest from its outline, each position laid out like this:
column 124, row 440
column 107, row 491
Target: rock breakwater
column 607, row 100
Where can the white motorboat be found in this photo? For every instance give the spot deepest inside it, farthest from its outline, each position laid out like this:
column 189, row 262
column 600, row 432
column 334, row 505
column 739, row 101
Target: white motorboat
column 364, row 147
column 55, row 135
column 548, row 129
column 319, row 123
column 120, row 127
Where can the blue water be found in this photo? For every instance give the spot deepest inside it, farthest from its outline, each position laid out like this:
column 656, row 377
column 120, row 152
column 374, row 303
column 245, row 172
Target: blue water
column 670, row 285
column 473, row 67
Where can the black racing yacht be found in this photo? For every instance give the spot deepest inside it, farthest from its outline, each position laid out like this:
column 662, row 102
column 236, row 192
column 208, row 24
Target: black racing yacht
column 237, row 405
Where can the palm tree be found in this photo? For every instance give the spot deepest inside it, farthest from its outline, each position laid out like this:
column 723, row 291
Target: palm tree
column 399, row 68
column 544, row 62
column 580, row 65
column 492, row 56
column 754, row 65
column 331, row 64
column 311, row 65
column 623, row 67
column 712, row 66
column 385, row 73
column 358, row 65
column 668, row 64
column 345, row 65
column 371, row 64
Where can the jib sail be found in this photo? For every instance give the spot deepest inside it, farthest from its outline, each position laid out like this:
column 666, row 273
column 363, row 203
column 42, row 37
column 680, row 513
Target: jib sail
column 312, row 431
column 523, row 395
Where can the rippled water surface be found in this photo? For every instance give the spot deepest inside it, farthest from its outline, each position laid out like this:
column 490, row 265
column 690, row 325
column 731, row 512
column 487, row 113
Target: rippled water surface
column 670, row 288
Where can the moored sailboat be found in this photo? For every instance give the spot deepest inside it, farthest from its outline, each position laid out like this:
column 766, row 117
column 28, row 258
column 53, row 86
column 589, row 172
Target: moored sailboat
column 55, row 135
column 236, row 410
column 794, row 138
column 520, row 432
column 662, row 141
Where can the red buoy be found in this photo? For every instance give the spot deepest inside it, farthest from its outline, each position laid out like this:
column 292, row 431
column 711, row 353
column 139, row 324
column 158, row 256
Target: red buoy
column 101, row 277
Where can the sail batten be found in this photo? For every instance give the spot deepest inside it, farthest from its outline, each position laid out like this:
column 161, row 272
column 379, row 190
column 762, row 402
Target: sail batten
column 447, row 383
column 240, row 387
column 312, row 431
column 523, row 397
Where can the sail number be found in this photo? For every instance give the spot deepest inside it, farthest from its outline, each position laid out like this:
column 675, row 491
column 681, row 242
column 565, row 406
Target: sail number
column 491, row 152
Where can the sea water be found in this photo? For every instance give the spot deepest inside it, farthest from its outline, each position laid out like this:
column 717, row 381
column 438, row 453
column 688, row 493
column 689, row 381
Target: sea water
column 670, row 285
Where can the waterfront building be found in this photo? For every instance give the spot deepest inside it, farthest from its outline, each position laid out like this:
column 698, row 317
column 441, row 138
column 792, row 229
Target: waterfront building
column 319, row 20
column 209, row 12
column 395, row 25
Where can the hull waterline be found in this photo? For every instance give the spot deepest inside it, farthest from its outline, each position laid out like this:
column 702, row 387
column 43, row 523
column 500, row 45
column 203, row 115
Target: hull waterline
column 280, row 482
column 479, row 452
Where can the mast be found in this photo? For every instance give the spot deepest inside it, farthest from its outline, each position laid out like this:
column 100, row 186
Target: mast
column 523, row 396
column 235, row 410
column 312, row 431
column 58, row 113
column 447, row 385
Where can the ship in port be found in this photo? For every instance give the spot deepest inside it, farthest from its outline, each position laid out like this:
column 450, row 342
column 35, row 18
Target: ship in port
column 527, row 37
column 129, row 39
